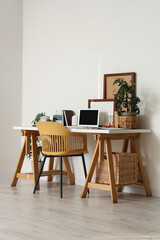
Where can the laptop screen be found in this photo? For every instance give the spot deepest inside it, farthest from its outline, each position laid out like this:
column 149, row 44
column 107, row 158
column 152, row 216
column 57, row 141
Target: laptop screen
column 89, row 118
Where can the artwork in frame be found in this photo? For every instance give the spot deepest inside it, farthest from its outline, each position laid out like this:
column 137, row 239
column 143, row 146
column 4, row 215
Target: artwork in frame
column 110, row 89
column 106, row 107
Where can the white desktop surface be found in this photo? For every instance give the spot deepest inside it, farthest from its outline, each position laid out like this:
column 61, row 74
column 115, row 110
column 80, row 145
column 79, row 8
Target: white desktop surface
column 91, row 130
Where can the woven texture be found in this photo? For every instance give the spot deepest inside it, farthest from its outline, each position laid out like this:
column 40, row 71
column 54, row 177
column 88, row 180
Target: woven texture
column 125, row 169
column 59, row 141
column 128, row 121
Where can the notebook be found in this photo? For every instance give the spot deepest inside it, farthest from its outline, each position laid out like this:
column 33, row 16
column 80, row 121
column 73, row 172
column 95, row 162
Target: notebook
column 67, row 117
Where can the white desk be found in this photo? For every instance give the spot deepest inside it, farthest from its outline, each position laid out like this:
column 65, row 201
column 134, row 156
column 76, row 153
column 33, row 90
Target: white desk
column 103, row 138
column 92, row 130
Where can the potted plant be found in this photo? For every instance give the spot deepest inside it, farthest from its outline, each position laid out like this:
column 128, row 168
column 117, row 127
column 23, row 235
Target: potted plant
column 126, row 104
column 39, row 117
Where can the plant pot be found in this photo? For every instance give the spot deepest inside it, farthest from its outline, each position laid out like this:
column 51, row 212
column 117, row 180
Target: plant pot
column 128, row 114
column 130, row 122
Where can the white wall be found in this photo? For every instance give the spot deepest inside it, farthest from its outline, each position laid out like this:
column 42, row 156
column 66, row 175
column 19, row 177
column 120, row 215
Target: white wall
column 64, row 42
column 10, row 81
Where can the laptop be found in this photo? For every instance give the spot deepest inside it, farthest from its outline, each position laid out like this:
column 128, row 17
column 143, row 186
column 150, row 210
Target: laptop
column 88, row 118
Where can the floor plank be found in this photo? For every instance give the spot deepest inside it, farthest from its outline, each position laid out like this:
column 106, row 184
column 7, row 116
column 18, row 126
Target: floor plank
column 46, row 216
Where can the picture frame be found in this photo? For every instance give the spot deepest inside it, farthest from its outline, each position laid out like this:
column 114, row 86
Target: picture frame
column 106, row 107
column 110, row 89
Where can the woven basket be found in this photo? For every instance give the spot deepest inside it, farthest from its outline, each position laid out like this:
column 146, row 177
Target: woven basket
column 128, row 121
column 125, row 169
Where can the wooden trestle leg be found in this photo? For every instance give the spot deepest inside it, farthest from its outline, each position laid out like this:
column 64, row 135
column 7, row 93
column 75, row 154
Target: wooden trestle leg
column 50, row 167
column 19, row 164
column 91, row 171
column 111, row 171
column 141, row 168
column 35, row 160
column 125, row 145
column 69, row 172
column 124, row 149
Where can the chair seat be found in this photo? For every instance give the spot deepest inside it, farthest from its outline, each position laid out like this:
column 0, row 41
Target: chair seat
column 63, row 155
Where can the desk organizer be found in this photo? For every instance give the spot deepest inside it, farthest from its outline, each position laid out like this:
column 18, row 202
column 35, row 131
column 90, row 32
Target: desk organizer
column 125, row 169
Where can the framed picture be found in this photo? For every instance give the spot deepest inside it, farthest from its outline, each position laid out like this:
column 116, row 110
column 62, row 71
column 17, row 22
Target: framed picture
column 106, row 107
column 110, row 89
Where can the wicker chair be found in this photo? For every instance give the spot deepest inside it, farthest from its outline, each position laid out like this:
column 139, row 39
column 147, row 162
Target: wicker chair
column 57, row 141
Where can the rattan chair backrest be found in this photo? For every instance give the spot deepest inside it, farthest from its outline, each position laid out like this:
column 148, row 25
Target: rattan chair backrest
column 59, row 141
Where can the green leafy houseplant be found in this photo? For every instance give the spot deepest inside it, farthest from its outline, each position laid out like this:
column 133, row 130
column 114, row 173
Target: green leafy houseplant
column 39, row 145
column 37, row 118
column 125, row 98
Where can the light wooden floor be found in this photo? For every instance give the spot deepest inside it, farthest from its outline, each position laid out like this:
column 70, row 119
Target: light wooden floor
column 24, row 216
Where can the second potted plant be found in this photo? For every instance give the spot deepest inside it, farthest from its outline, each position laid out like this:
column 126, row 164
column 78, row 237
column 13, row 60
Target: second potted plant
column 39, row 117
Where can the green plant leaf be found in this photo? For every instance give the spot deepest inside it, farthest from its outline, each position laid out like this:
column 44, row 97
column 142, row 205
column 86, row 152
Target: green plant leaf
column 126, row 97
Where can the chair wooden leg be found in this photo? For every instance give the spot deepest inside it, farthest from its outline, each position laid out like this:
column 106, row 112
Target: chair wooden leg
column 61, row 178
column 40, row 172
